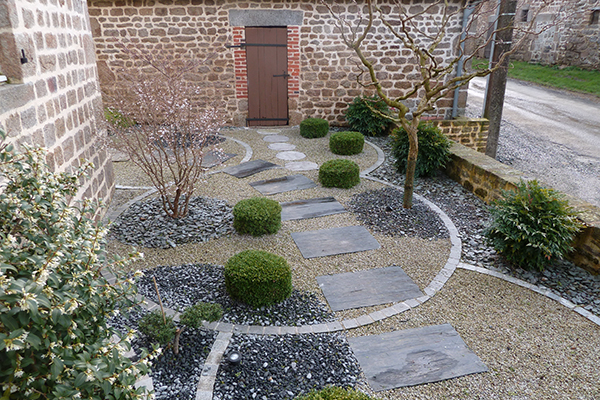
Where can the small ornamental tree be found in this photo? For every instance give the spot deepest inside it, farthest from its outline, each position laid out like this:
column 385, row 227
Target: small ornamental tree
column 156, row 120
column 55, row 342
column 431, row 37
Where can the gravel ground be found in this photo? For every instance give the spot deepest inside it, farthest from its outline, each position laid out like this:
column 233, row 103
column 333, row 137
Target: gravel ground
column 534, row 347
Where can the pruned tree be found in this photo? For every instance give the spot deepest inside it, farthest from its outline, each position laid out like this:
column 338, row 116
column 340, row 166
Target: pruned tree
column 156, row 119
column 426, row 30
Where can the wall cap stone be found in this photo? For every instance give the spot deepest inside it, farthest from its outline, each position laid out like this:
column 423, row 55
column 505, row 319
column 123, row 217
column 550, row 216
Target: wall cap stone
column 265, row 17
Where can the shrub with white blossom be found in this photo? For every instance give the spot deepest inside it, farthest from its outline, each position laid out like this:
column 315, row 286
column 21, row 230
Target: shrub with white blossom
column 156, row 118
column 55, row 342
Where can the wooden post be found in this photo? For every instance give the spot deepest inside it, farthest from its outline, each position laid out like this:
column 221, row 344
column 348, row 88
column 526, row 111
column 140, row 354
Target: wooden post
column 496, row 88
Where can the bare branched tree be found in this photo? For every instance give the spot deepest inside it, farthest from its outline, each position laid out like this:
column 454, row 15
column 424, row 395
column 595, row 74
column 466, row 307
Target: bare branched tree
column 427, row 30
column 156, row 121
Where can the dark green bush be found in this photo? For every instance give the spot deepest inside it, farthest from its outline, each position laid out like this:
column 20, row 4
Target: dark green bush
column 532, row 226
column 55, row 337
column 194, row 315
column 434, row 149
column 346, row 143
column 153, row 325
column 364, row 120
column 334, row 393
column 339, row 173
column 258, row 278
column 314, row 128
column 257, row 216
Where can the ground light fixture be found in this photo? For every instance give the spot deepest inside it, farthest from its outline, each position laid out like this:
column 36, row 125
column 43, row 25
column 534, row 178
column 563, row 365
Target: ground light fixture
column 234, row 357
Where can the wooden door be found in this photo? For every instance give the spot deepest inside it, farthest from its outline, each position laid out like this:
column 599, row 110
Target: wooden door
column 266, row 61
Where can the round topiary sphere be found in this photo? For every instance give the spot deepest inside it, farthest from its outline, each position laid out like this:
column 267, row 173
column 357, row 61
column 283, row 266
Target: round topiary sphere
column 346, row 143
column 339, row 173
column 257, row 216
column 314, row 128
column 258, row 278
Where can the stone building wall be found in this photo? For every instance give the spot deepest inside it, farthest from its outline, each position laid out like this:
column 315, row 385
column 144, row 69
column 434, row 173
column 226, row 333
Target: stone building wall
column 53, row 100
column 568, row 32
column 322, row 69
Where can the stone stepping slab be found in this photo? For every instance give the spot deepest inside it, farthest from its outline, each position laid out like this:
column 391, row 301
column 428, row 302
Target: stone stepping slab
column 414, row 356
column 290, row 155
column 282, row 146
column 249, row 168
column 213, row 158
column 301, row 166
column 276, row 138
column 311, row 208
column 330, row 242
column 368, row 288
column 285, row 184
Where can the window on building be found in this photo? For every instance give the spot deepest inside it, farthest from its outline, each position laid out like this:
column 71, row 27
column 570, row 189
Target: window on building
column 595, row 17
column 524, row 15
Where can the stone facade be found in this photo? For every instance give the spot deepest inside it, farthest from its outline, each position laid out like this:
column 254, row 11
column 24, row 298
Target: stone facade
column 569, row 32
column 322, row 70
column 53, row 100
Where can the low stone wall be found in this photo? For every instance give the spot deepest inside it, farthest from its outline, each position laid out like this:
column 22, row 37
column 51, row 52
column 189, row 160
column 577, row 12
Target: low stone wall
column 487, row 177
column 472, row 133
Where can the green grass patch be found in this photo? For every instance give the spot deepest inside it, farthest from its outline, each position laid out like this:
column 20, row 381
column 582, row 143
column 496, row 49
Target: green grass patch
column 569, row 78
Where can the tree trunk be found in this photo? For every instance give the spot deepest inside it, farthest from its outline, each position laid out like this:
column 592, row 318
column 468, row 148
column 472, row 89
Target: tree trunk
column 411, row 163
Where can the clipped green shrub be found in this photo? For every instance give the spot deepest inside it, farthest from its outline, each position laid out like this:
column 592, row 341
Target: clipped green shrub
column 153, row 325
column 55, row 339
column 346, row 143
column 334, row 393
column 194, row 315
column 258, row 278
column 314, row 128
column 257, row 216
column 434, row 149
column 532, row 226
column 363, row 119
column 339, row 173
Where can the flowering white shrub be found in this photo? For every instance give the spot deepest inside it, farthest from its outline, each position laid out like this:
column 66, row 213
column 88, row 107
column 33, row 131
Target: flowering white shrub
column 55, row 342
column 157, row 120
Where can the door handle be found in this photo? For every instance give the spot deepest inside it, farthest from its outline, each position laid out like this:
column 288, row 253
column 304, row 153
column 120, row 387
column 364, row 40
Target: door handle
column 285, row 75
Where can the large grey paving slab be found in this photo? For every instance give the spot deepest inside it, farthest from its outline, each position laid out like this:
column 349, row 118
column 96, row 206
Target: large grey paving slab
column 284, row 184
column 249, row 168
column 368, row 288
column 329, row 242
column 310, row 208
column 213, row 158
column 414, row 356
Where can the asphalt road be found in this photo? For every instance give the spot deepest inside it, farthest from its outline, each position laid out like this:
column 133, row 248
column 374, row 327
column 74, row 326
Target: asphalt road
column 549, row 134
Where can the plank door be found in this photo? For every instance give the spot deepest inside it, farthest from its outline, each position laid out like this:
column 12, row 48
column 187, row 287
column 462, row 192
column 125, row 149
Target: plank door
column 266, row 61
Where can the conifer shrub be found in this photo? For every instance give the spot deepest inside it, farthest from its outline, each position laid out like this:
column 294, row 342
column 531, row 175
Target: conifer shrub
column 346, row 143
column 339, row 173
column 194, row 315
column 55, row 340
column 258, row 278
column 334, row 393
column 532, row 226
column 361, row 117
column 434, row 149
column 158, row 329
column 312, row 128
column 257, row 216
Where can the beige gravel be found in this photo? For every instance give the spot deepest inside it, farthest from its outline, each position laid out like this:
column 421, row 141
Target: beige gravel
column 534, row 347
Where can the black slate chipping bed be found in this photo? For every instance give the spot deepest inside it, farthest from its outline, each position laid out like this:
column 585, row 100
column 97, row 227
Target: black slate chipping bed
column 282, row 367
column 185, row 285
column 146, row 224
column 382, row 211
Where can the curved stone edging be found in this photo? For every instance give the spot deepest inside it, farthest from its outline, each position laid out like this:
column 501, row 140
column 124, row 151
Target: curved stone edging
column 538, row 289
column 380, row 160
column 246, row 158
